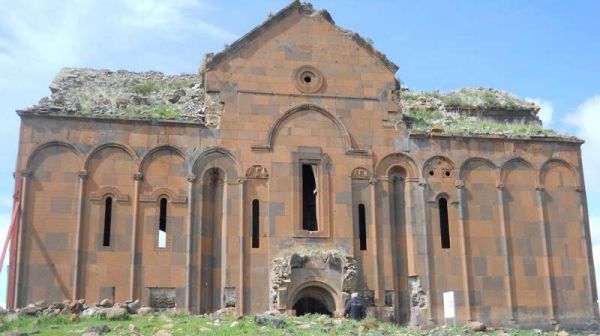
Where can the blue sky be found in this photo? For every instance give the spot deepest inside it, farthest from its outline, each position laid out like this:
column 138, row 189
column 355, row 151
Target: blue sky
column 545, row 51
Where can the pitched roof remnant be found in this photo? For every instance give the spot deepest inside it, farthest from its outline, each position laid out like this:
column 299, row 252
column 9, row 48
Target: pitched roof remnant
column 305, row 9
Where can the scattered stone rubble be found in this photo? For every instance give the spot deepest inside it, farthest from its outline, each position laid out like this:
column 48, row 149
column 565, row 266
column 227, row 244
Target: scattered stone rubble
column 104, row 309
column 124, row 95
column 230, row 317
column 463, row 99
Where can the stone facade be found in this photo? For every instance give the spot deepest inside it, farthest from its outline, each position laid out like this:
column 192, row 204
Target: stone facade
column 296, row 94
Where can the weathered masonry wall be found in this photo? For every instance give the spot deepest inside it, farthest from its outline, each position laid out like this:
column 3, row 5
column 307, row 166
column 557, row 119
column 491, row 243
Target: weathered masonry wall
column 204, row 215
column 514, row 256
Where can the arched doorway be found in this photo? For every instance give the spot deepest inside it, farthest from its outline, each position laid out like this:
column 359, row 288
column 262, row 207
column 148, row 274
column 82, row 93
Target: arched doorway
column 314, row 300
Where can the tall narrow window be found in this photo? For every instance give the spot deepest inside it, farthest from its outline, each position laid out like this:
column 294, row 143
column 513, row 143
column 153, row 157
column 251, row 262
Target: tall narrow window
column 309, row 197
column 444, row 226
column 162, row 224
column 362, row 227
column 255, row 223
column 107, row 221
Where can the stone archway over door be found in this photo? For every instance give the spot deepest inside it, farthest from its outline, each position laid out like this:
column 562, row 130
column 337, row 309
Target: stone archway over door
column 314, row 300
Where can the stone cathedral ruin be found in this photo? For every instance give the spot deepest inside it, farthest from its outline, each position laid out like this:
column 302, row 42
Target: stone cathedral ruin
column 290, row 171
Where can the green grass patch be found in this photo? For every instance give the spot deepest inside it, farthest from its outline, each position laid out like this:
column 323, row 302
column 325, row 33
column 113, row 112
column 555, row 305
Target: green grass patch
column 145, row 88
column 182, row 83
column 184, row 324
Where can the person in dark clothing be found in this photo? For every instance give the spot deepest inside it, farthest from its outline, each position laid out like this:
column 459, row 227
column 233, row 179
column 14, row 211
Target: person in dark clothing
column 355, row 308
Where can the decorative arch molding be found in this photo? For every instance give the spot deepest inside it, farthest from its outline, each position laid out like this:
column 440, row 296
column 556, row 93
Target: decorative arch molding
column 100, row 147
column 574, row 174
column 465, row 166
column 512, row 162
column 436, row 197
column 351, row 149
column 207, row 158
column 388, row 162
column 49, row 144
column 148, row 156
column 360, row 173
column 439, row 163
column 158, row 193
column 102, row 193
column 257, row 172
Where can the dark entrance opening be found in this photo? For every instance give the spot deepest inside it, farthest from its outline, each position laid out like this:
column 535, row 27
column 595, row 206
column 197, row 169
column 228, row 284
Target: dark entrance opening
column 308, row 305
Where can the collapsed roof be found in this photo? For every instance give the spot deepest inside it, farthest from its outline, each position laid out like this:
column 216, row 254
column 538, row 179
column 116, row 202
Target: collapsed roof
column 106, row 94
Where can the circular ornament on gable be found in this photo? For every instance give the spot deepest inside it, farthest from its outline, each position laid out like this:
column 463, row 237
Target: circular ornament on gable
column 308, row 79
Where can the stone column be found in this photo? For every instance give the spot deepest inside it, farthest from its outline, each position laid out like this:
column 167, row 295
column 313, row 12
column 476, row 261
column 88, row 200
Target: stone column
column 545, row 248
column 26, row 174
column 463, row 235
column 190, row 236
column 224, row 238
column 240, row 298
column 427, row 277
column 137, row 177
column 374, row 241
column 507, row 266
column 80, row 202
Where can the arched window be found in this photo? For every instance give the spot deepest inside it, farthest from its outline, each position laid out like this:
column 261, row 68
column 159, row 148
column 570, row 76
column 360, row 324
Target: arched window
column 107, row 221
column 309, row 197
column 255, row 223
column 444, row 226
column 362, row 227
column 162, row 224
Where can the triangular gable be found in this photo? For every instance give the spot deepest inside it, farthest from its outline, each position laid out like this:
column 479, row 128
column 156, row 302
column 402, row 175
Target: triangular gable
column 212, row 61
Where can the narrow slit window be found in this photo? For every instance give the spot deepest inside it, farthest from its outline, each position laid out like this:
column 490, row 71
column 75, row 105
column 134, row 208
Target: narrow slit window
column 362, row 227
column 255, row 223
column 309, row 197
column 162, row 224
column 107, row 221
column 444, row 226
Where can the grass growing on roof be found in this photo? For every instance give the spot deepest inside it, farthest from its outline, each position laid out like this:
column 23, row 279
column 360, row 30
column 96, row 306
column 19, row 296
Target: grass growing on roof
column 468, row 98
column 423, row 120
column 145, row 88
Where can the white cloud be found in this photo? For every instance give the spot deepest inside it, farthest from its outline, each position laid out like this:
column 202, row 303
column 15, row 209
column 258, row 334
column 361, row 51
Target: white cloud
column 585, row 120
column 546, row 110
column 171, row 15
column 6, row 202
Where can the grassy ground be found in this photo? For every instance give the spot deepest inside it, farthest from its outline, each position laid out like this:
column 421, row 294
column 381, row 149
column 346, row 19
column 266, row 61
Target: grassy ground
column 199, row 325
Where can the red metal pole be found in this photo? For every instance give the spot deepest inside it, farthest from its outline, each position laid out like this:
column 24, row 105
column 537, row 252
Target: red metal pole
column 12, row 235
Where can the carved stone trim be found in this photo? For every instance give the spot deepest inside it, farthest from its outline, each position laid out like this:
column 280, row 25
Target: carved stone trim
column 308, row 79
column 257, row 172
column 360, row 173
column 459, row 184
column 191, row 178
column 138, row 176
column 99, row 195
column 157, row 193
column 27, row 173
column 83, row 174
